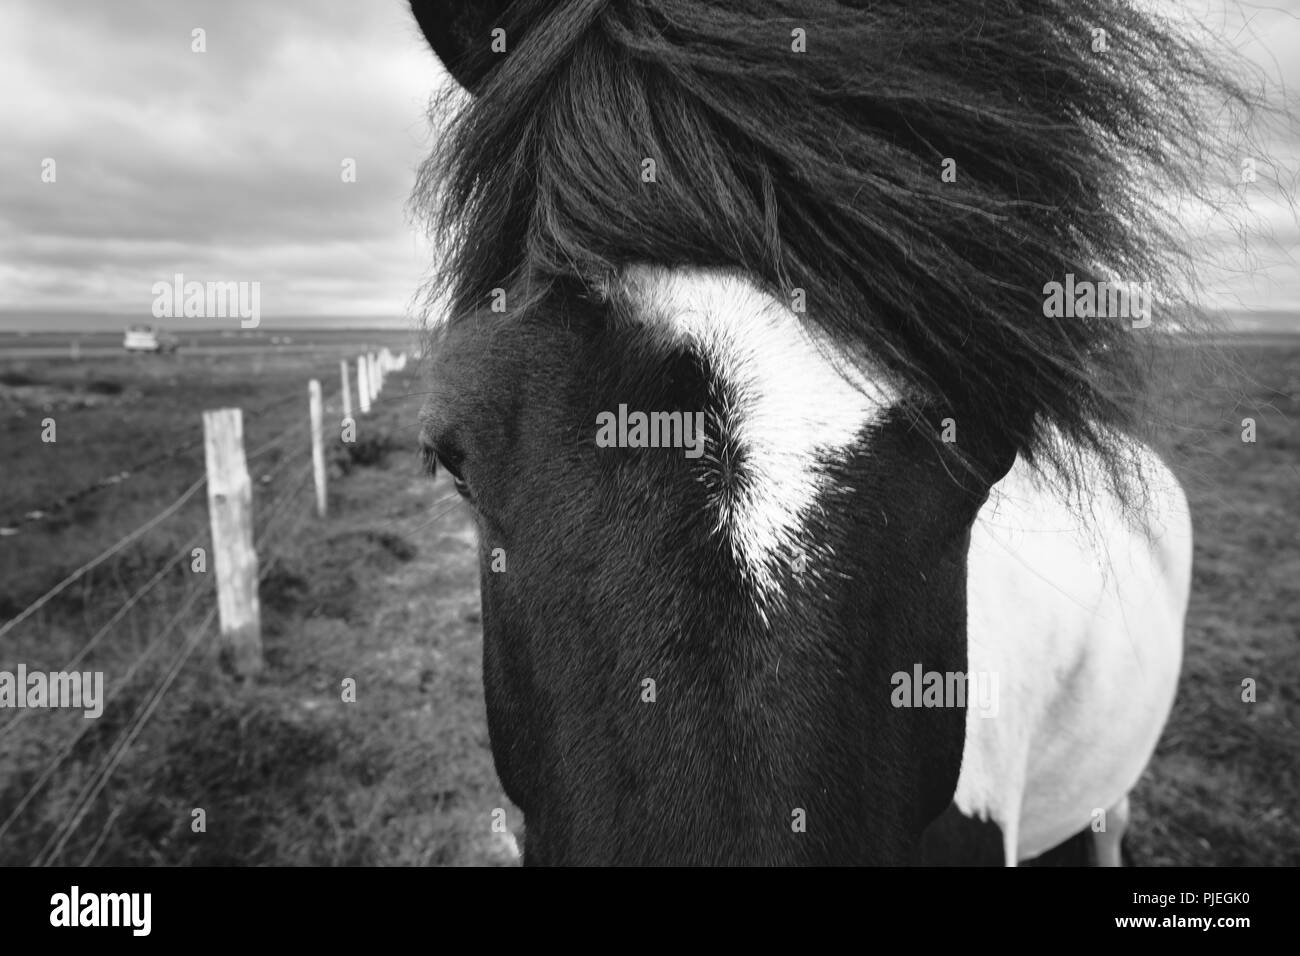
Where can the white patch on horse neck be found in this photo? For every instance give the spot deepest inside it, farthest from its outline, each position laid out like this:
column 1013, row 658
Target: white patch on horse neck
column 794, row 406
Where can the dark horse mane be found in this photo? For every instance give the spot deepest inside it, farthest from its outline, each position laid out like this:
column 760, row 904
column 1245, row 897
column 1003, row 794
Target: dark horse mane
column 821, row 170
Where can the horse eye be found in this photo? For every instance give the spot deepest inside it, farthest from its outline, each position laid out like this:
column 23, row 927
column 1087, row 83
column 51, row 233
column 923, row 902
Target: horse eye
column 428, row 460
column 450, row 463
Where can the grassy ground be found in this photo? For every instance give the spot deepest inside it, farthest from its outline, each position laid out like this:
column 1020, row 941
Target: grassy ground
column 385, row 592
column 1224, row 787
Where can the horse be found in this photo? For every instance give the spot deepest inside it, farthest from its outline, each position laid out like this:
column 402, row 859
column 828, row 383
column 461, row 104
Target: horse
column 809, row 532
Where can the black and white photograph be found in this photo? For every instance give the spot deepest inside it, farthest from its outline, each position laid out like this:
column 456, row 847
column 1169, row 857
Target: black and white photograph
column 650, row 433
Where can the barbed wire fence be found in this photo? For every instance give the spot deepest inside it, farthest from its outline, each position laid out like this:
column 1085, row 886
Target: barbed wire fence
column 302, row 459
column 14, row 522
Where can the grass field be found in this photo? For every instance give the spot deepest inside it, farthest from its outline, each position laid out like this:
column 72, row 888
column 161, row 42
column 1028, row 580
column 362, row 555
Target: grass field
column 1224, row 787
column 385, row 592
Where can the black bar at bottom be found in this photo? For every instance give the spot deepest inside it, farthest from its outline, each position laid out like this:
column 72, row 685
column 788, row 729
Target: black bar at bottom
column 330, row 907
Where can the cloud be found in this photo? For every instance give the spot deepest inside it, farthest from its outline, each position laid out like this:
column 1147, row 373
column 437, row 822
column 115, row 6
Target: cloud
column 225, row 165
column 222, row 165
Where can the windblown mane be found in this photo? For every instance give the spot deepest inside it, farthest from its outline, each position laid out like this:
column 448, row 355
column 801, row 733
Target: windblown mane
column 821, row 170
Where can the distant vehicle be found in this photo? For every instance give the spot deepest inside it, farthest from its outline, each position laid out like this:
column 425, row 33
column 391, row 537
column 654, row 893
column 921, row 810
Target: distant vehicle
column 145, row 338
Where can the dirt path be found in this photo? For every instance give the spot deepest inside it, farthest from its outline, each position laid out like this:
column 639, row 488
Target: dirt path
column 386, row 593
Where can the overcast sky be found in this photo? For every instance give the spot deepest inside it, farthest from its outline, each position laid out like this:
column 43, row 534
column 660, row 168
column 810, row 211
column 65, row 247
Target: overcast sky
column 220, row 165
column 225, row 165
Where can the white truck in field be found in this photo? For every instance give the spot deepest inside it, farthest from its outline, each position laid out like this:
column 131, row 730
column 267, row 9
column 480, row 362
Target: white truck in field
column 145, row 338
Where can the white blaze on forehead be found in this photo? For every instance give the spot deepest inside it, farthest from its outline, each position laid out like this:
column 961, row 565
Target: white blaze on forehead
column 794, row 406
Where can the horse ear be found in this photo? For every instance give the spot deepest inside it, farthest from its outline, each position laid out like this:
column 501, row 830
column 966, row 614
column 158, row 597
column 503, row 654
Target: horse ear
column 460, row 32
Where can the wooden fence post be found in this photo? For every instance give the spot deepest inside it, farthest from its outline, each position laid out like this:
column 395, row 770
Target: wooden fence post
column 230, row 512
column 363, row 385
column 347, row 390
column 317, row 446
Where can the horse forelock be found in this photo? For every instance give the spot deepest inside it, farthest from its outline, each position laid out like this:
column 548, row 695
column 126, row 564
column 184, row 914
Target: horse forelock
column 817, row 174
